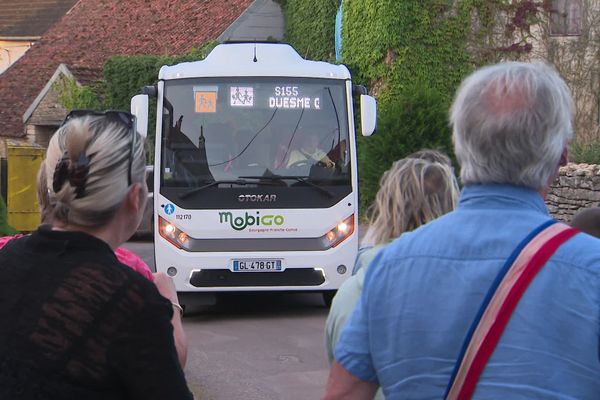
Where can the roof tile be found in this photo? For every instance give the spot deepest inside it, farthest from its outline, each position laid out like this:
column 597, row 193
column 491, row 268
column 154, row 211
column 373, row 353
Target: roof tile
column 30, row 18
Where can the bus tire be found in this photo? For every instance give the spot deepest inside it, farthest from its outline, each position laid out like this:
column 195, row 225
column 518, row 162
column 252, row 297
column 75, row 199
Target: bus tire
column 328, row 297
column 195, row 301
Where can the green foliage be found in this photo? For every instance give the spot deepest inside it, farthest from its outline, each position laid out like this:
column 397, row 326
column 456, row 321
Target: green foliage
column 71, row 95
column 583, row 152
column 5, row 228
column 310, row 27
column 392, row 44
column 415, row 120
column 125, row 76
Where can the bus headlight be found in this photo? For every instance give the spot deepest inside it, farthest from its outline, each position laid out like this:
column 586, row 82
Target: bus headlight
column 172, row 234
column 341, row 232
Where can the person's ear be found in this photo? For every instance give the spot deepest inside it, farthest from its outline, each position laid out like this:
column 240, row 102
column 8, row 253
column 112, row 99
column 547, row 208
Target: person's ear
column 133, row 197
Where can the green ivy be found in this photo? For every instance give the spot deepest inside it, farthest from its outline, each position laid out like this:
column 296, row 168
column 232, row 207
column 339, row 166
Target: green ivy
column 310, row 27
column 125, row 76
column 71, row 95
column 393, row 44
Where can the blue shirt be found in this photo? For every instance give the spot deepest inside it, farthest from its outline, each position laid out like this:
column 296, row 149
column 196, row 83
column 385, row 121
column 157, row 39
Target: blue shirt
column 421, row 294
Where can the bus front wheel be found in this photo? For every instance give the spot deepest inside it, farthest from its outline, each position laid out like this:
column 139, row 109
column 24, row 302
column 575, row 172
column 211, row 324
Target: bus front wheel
column 328, row 297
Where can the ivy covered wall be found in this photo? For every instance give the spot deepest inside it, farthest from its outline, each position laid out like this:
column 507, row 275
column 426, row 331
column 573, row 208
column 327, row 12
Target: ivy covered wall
column 309, row 27
column 393, row 44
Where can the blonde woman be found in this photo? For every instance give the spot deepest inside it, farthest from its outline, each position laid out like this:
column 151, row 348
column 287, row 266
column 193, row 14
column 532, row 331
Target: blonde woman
column 413, row 192
column 76, row 323
column 407, row 200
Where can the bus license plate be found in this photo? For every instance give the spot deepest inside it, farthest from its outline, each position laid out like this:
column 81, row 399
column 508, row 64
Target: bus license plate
column 257, row 265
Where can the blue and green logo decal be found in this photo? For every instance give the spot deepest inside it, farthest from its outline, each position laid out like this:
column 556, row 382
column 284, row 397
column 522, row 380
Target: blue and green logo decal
column 240, row 223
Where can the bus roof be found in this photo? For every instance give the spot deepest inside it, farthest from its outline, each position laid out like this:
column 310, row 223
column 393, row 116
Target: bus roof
column 238, row 59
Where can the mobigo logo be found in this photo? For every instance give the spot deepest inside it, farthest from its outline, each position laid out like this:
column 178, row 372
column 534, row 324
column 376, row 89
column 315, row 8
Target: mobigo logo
column 240, row 223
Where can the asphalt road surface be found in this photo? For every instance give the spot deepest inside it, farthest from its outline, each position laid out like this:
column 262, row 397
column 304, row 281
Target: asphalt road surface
column 254, row 345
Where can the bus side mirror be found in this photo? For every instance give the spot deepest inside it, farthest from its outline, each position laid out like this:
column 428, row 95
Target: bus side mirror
column 368, row 114
column 139, row 108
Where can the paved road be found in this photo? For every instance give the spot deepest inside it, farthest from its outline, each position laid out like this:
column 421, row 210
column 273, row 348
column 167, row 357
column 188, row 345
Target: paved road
column 255, row 346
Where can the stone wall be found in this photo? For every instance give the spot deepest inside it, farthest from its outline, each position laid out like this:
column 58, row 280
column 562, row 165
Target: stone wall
column 578, row 186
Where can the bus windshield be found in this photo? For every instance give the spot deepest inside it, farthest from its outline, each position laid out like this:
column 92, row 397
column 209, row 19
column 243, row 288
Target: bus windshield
column 231, row 132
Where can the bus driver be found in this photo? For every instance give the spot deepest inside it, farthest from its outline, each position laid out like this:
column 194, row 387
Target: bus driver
column 309, row 152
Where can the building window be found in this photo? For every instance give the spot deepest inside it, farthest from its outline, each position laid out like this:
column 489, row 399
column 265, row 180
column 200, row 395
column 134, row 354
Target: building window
column 566, row 17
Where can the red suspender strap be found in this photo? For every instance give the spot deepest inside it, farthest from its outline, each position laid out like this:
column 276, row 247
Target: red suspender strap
column 503, row 301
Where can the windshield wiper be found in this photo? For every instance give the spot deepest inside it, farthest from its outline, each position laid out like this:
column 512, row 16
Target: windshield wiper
column 241, row 182
column 302, row 179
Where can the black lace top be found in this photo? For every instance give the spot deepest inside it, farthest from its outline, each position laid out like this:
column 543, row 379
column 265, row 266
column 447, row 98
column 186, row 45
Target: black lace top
column 77, row 324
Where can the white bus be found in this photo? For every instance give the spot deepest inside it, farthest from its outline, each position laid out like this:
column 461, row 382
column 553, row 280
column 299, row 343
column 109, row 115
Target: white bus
column 255, row 183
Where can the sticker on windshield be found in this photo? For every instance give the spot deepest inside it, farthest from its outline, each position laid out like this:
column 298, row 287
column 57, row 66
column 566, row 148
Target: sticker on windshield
column 205, row 98
column 206, row 102
column 242, row 96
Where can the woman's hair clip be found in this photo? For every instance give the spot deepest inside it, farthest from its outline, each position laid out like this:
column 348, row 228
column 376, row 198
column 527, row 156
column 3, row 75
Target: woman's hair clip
column 75, row 172
column 61, row 173
column 78, row 174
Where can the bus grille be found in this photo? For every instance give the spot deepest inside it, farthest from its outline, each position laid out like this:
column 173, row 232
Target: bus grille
column 226, row 278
